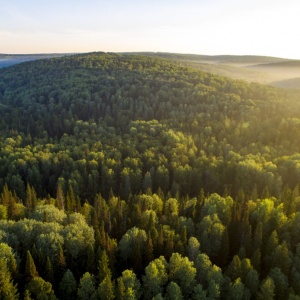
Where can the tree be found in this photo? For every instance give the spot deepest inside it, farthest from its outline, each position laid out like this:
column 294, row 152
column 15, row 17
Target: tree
column 60, row 198
column 48, row 273
column 60, row 262
column 211, row 232
column 267, row 290
column 68, row 286
column 182, row 271
column 40, row 289
column 173, row 292
column 236, row 290
column 155, row 277
column 103, row 267
column 132, row 285
column 8, row 290
column 131, row 245
column 199, row 293
column 120, row 289
column 86, row 286
column 252, row 281
column 193, row 248
column 30, row 268
column 27, row 295
column 106, row 289
column 280, row 281
column 234, row 270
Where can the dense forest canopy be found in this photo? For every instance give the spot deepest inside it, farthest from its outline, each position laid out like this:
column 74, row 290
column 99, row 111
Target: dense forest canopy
column 128, row 176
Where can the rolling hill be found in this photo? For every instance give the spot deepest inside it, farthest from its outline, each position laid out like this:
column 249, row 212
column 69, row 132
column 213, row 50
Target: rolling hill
column 262, row 69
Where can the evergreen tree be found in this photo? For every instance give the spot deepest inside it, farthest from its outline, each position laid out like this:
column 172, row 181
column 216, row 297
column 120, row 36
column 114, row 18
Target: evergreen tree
column 103, row 267
column 30, row 268
column 8, row 290
column 68, row 286
column 106, row 289
column 48, row 273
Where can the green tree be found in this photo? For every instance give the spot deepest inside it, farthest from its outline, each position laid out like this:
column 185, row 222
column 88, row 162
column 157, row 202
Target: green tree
column 48, row 273
column 86, row 286
column 199, row 293
column 193, row 248
column 182, row 271
column 30, row 268
column 267, row 290
column 132, row 285
column 40, row 289
column 120, row 289
column 8, row 290
column 173, row 292
column 236, row 290
column 155, row 277
column 68, row 286
column 106, row 289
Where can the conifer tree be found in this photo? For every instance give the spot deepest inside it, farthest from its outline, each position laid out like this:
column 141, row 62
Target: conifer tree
column 48, row 273
column 68, row 286
column 120, row 289
column 30, row 268
column 90, row 262
column 60, row 266
column 8, row 290
column 106, row 289
column 103, row 267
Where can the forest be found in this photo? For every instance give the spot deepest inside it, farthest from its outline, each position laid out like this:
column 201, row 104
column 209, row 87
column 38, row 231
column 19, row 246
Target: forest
column 126, row 176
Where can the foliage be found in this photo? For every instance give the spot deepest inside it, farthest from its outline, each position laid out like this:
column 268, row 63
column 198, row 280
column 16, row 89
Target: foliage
column 133, row 177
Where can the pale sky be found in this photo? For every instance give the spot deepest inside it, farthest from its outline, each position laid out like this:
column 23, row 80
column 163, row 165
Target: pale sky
column 256, row 27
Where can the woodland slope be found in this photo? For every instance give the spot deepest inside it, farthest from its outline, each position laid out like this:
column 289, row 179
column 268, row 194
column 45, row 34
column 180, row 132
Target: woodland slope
column 129, row 176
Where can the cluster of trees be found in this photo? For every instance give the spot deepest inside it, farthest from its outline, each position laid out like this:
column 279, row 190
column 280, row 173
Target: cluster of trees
column 151, row 246
column 127, row 177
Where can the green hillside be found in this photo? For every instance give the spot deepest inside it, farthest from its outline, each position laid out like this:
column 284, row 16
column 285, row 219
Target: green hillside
column 129, row 176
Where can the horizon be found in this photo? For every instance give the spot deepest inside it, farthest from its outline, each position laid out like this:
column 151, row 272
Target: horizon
column 145, row 52
column 254, row 28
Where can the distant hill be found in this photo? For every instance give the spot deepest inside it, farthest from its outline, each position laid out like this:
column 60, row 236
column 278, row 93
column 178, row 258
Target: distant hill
column 261, row 69
column 293, row 83
column 7, row 60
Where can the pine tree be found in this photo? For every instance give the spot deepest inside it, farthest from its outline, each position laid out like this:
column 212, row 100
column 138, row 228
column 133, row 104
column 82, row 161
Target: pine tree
column 184, row 236
column 70, row 200
column 120, row 289
column 103, row 267
column 30, row 268
column 48, row 273
column 60, row 267
column 106, row 289
column 60, row 199
column 5, row 196
column 224, row 250
column 8, row 290
column 149, row 249
column 90, row 262
column 27, row 295
column 68, row 286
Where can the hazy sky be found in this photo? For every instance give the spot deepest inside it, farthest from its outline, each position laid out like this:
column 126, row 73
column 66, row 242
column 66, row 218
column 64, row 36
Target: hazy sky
column 258, row 27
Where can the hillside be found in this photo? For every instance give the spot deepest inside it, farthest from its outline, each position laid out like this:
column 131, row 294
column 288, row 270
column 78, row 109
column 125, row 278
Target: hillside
column 132, row 175
column 261, row 69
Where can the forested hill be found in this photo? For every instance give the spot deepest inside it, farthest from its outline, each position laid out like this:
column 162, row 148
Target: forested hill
column 133, row 176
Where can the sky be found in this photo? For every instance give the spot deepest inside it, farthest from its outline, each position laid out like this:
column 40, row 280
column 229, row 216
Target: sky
column 212, row 27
